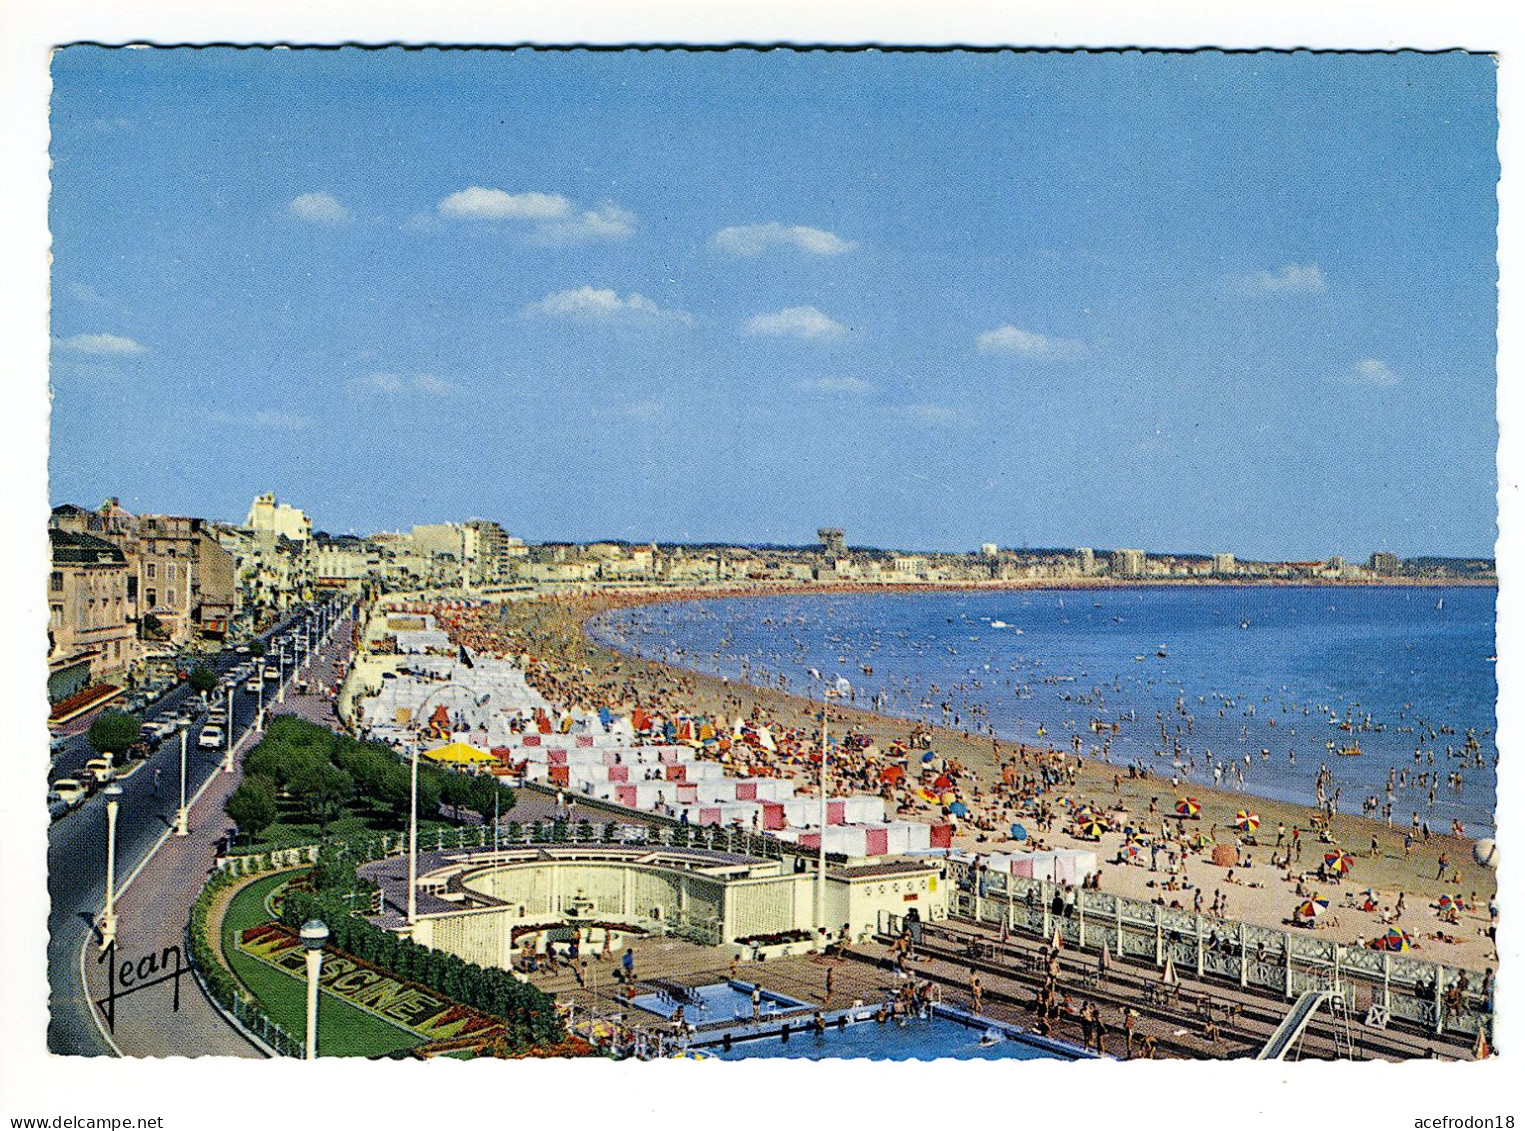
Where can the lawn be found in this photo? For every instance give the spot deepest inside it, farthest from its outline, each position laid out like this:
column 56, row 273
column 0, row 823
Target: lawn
column 293, row 828
column 343, row 1030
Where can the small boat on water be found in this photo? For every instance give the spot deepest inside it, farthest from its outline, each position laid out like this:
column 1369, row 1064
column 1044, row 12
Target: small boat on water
column 998, row 624
column 1350, row 751
column 1162, row 653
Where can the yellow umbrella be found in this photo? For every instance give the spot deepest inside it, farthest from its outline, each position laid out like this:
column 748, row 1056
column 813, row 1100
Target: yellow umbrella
column 458, row 752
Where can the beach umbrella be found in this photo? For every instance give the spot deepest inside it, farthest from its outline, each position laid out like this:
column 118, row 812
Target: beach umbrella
column 1392, row 939
column 1092, row 830
column 1188, row 807
column 928, row 756
column 1058, row 943
column 949, row 798
column 942, row 781
column 928, row 795
column 1168, row 976
column 1086, row 813
column 1245, row 821
column 959, row 809
column 1486, row 853
column 1018, row 832
column 1201, row 840
column 892, row 774
column 1312, row 907
column 1340, row 862
column 1132, row 850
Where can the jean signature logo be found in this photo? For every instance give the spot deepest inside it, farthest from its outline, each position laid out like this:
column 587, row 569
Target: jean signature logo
column 150, row 970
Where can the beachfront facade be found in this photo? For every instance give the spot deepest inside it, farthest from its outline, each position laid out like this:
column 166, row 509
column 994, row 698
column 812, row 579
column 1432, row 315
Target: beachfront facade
column 710, row 898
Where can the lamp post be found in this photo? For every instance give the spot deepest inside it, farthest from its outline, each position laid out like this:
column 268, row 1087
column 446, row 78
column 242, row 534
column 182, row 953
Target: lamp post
column 314, row 934
column 227, row 759
column 413, row 802
column 108, row 919
column 182, row 817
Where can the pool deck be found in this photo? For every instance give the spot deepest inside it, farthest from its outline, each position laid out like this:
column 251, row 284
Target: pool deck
column 1244, row 1019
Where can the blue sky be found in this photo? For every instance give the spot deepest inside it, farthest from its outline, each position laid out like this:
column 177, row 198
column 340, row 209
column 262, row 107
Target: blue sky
column 1183, row 302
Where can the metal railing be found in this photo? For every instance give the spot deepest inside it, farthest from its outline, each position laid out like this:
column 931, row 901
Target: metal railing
column 1285, row 963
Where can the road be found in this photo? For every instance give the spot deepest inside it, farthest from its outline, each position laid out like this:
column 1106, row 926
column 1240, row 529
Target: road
column 77, row 848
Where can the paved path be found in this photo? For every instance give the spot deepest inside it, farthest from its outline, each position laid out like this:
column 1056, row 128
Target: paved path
column 154, row 910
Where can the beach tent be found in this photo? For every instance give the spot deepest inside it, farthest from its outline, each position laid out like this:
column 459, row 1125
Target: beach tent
column 1168, row 976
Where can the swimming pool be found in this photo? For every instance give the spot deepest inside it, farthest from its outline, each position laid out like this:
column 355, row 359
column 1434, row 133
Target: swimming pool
column 914, row 1038
column 723, row 1002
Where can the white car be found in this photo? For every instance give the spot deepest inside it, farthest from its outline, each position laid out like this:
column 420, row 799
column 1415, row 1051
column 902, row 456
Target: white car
column 210, row 738
column 100, row 770
column 272, row 673
column 71, row 791
column 253, row 686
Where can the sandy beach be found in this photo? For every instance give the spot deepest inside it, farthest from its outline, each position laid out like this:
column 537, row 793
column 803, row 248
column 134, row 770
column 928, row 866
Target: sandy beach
column 550, row 631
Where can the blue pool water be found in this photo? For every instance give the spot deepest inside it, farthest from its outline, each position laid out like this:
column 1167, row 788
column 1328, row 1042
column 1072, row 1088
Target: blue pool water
column 915, row 1038
column 1266, row 675
column 723, row 1002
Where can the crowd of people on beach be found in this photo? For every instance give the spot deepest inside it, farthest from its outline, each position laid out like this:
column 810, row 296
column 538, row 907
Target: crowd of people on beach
column 1034, row 799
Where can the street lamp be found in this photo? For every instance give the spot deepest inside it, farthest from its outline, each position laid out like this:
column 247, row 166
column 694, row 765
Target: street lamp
column 227, row 759
column 182, row 817
column 314, row 934
column 413, row 802
column 108, row 920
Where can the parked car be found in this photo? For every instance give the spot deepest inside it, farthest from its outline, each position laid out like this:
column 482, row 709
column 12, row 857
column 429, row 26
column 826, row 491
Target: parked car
column 100, row 770
column 242, row 650
column 254, row 684
column 71, row 791
column 210, row 738
column 272, row 673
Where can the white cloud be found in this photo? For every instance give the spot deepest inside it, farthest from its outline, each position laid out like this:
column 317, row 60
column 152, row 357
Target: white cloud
column 287, row 421
column 393, row 384
column 594, row 304
column 754, row 239
column 931, row 414
column 606, row 223
column 102, row 345
column 318, row 208
column 836, row 385
column 1008, row 341
column 797, row 322
column 1368, row 371
column 647, row 412
column 1293, row 279
column 82, row 293
column 477, row 203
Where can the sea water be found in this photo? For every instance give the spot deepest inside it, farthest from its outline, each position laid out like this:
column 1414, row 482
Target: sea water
column 1274, row 674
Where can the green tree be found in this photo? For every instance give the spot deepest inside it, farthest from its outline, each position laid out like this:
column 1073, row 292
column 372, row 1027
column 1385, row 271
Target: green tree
column 202, row 679
column 113, row 732
column 256, row 648
column 252, row 805
column 322, row 788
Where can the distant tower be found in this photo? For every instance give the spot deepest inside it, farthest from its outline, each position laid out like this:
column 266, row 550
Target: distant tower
column 833, row 542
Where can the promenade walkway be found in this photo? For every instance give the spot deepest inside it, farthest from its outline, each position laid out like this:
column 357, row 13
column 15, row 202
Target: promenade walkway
column 154, row 910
